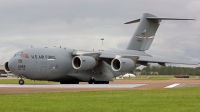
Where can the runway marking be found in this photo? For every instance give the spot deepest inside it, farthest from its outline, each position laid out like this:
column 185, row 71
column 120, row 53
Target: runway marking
column 72, row 86
column 173, row 85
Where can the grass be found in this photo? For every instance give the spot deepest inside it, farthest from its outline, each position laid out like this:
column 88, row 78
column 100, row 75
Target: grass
column 164, row 100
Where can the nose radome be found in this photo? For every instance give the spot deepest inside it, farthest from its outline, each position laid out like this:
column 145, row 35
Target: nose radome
column 12, row 64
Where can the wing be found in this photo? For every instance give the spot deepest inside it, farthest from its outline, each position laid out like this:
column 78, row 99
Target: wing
column 145, row 59
column 139, row 57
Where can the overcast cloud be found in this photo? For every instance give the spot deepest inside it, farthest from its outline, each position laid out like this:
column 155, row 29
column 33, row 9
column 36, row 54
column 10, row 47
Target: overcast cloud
column 81, row 24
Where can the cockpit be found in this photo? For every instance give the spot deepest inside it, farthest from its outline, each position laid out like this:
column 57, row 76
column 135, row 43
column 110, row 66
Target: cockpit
column 21, row 55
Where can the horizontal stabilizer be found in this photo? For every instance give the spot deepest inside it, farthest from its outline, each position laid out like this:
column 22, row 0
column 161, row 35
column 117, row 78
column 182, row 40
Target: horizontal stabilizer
column 157, row 18
column 134, row 21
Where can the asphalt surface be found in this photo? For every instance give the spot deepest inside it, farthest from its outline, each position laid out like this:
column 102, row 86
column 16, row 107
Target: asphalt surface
column 115, row 85
column 71, row 86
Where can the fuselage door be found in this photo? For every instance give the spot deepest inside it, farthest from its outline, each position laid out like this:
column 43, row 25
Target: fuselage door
column 21, row 65
column 40, row 67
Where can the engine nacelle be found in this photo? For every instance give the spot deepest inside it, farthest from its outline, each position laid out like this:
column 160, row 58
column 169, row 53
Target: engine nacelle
column 83, row 62
column 122, row 64
column 6, row 68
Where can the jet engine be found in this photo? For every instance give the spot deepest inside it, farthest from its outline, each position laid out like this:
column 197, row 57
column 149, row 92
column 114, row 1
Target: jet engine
column 6, row 68
column 83, row 62
column 122, row 64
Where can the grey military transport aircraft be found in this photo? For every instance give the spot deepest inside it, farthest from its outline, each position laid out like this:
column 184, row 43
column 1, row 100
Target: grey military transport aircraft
column 71, row 66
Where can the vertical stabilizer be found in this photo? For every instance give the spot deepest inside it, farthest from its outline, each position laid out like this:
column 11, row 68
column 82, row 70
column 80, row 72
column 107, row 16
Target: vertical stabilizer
column 144, row 34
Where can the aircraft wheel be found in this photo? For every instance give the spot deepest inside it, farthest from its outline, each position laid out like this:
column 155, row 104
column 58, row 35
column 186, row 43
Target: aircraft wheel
column 75, row 82
column 90, row 82
column 61, row 82
column 106, row 82
column 21, row 82
column 64, row 82
column 98, row 82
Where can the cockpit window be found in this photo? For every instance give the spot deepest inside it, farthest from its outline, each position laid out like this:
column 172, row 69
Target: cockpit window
column 26, row 56
column 16, row 55
column 22, row 55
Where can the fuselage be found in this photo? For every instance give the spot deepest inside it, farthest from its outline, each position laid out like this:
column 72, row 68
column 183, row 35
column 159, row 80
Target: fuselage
column 55, row 64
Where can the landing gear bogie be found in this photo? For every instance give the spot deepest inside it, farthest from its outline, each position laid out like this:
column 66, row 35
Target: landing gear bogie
column 106, row 82
column 98, row 82
column 90, row 82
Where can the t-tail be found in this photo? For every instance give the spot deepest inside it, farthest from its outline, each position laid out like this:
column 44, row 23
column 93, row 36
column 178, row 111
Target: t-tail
column 145, row 32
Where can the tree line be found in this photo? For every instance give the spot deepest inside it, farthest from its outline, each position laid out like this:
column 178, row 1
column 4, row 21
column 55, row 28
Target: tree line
column 168, row 70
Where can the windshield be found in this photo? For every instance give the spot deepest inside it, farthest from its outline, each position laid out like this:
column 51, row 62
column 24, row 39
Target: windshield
column 21, row 55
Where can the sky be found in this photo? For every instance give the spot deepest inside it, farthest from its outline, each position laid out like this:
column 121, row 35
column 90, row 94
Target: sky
column 81, row 24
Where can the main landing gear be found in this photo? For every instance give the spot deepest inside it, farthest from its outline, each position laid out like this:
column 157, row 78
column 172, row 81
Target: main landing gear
column 98, row 82
column 101, row 82
column 92, row 81
column 21, row 81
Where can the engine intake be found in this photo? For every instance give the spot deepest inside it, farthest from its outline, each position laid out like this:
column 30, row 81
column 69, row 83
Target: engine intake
column 6, row 68
column 122, row 64
column 83, row 62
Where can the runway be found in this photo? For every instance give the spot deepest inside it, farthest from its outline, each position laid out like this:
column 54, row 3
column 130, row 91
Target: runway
column 71, row 86
column 115, row 85
column 35, row 88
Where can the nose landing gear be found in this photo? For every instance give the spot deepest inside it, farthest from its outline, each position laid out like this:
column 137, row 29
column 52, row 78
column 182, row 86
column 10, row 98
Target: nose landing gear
column 21, row 81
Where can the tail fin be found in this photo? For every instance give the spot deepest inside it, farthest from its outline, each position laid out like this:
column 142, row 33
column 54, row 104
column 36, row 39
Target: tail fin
column 145, row 32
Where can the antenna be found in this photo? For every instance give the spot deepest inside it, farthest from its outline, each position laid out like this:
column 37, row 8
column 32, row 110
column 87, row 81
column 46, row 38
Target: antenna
column 102, row 44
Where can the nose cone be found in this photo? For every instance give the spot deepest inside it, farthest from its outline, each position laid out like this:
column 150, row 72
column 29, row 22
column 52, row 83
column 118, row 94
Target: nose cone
column 12, row 64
